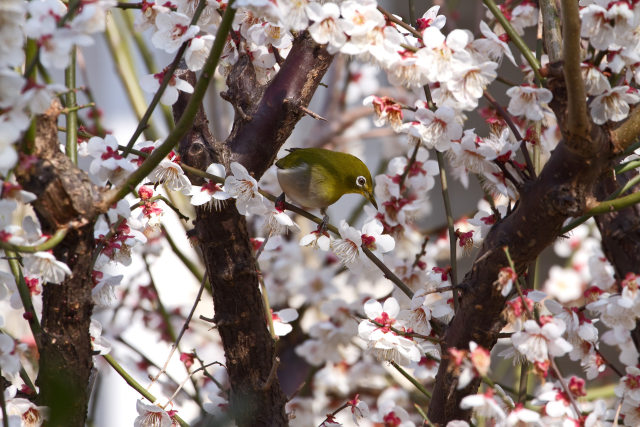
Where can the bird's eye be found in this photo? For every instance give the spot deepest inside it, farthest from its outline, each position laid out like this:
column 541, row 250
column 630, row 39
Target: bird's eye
column 361, row 181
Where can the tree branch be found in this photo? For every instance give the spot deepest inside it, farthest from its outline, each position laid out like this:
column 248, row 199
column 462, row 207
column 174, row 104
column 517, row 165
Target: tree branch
column 562, row 189
column 265, row 117
column 552, row 33
column 627, row 133
column 578, row 124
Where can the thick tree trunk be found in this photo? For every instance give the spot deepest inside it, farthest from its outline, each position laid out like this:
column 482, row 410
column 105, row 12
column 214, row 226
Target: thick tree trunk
column 66, row 199
column 265, row 117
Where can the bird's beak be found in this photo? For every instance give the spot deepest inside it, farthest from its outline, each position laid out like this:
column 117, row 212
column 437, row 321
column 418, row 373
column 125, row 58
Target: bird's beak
column 372, row 199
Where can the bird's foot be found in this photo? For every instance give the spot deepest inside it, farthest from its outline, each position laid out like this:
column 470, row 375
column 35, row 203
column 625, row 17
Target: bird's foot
column 279, row 203
column 322, row 227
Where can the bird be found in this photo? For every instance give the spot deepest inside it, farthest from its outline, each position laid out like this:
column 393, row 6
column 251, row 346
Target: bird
column 316, row 178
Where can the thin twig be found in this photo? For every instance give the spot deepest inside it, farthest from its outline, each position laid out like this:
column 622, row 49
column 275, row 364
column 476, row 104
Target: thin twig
column 185, row 326
column 509, row 121
column 166, row 79
column 186, row 120
column 515, row 38
column 401, row 23
column 136, row 385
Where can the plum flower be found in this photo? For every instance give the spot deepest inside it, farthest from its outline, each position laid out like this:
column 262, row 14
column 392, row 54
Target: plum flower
column 108, row 163
column 276, row 221
column 244, row 188
column 151, row 415
column 381, row 337
column 151, row 83
column 613, row 104
column 438, row 128
column 538, row 341
column 210, row 194
column 46, row 266
column 281, row 320
column 171, row 174
column 373, row 239
column 328, row 27
column 316, row 239
column 173, row 29
column 528, row 101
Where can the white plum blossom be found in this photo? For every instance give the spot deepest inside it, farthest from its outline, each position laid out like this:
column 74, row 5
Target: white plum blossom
column 432, row 19
column 492, row 45
column 373, row 239
column 99, row 344
column 107, row 164
column 613, row 104
column 151, row 415
column 528, row 101
column 595, row 81
column 386, row 343
column 173, row 29
column 316, row 239
column 9, row 357
column 169, row 173
column 564, row 284
column 23, row 412
column 151, row 83
column 277, row 221
column 538, row 342
column 282, row 319
column 328, row 27
column 485, row 405
column 197, row 52
column 293, row 13
column 210, row 194
column 348, row 247
column 438, row 129
column 244, row 188
column 46, row 266
column 469, row 82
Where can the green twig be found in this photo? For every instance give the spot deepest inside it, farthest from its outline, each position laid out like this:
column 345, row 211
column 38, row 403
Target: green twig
column 452, row 233
column 25, row 296
column 136, row 385
column 186, row 120
column 610, row 204
column 121, row 54
column 167, row 77
column 515, row 38
column 149, row 62
column 45, row 246
column 412, row 380
column 71, row 147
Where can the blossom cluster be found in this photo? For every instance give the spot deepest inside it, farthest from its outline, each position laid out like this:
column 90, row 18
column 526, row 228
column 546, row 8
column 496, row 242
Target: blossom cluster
column 359, row 331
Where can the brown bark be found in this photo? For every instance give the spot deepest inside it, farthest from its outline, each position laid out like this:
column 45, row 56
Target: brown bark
column 66, row 198
column 264, row 119
column 562, row 190
column 620, row 232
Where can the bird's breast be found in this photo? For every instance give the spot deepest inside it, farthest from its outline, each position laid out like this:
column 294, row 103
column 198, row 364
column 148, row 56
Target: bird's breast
column 306, row 188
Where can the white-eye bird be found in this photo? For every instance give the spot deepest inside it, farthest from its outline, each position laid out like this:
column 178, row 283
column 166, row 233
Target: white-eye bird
column 317, row 178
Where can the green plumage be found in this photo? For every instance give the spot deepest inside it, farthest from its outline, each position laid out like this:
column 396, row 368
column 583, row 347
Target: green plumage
column 317, row 178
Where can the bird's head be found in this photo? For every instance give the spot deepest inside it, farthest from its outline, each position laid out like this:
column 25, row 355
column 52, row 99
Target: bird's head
column 361, row 181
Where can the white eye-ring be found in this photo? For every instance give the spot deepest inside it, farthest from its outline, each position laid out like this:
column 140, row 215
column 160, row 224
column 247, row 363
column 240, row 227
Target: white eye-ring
column 361, row 181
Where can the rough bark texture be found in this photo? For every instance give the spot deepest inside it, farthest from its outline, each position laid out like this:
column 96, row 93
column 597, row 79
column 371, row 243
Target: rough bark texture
column 66, row 198
column 621, row 236
column 562, row 190
column 264, row 119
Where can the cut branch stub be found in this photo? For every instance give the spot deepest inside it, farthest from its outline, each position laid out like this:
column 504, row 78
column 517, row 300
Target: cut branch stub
column 65, row 193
